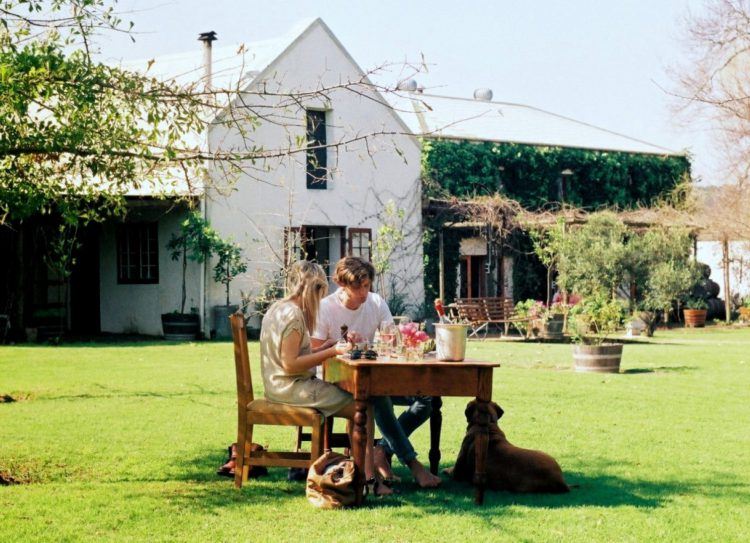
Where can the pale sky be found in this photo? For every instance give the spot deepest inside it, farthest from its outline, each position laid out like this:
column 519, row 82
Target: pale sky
column 597, row 61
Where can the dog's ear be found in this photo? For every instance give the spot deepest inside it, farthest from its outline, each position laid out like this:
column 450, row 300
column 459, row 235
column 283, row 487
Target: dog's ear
column 471, row 407
column 498, row 410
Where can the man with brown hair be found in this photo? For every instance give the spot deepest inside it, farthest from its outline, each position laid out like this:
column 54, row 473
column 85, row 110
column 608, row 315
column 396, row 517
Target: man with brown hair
column 354, row 305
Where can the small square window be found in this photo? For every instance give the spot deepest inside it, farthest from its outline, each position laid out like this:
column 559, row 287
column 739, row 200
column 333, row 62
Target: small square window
column 360, row 243
column 137, row 253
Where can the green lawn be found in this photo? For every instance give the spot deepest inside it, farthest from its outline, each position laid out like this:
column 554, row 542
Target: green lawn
column 121, row 443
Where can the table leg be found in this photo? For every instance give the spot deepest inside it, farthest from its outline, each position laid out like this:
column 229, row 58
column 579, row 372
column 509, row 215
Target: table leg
column 482, row 437
column 436, row 425
column 481, row 441
column 359, row 445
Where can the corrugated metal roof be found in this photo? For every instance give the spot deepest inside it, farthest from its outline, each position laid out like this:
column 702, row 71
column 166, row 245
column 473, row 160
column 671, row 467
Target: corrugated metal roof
column 468, row 119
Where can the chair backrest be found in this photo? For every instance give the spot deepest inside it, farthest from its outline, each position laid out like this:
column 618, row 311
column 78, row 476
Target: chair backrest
column 470, row 309
column 498, row 308
column 241, row 359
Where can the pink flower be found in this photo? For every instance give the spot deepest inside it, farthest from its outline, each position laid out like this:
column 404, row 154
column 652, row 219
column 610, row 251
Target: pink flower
column 411, row 335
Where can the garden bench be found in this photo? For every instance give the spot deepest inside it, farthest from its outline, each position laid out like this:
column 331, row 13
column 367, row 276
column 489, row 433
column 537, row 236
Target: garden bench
column 481, row 313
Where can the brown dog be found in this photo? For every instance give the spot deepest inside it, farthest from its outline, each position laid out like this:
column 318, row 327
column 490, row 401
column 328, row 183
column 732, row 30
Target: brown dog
column 508, row 467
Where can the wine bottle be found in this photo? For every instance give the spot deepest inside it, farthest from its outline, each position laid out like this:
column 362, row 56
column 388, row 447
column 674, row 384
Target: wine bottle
column 441, row 311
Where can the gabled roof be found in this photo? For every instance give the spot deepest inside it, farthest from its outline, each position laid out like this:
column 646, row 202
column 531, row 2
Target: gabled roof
column 467, row 119
column 233, row 66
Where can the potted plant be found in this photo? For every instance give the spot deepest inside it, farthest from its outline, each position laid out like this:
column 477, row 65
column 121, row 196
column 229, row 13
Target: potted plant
column 230, row 264
column 695, row 312
column 195, row 241
column 665, row 282
column 554, row 321
column 271, row 291
column 594, row 319
column 745, row 309
column 531, row 313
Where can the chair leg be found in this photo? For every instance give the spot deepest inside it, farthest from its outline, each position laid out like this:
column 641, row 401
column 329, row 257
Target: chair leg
column 299, row 439
column 349, row 427
column 316, row 440
column 242, row 462
column 327, row 433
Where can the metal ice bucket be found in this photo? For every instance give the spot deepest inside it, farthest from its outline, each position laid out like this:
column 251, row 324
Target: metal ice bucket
column 450, row 341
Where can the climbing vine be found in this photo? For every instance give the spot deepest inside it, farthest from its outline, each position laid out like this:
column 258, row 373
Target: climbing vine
column 532, row 176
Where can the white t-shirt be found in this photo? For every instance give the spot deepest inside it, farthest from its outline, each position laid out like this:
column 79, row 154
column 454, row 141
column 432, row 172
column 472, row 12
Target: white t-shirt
column 364, row 320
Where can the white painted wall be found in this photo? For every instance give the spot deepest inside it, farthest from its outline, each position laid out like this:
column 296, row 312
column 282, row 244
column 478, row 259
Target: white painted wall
column 709, row 252
column 137, row 309
column 272, row 195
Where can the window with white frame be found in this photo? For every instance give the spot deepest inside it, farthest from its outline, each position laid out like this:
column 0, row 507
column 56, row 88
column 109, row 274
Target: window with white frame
column 360, row 242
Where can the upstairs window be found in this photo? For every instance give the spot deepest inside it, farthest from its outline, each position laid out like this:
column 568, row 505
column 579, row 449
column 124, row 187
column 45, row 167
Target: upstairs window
column 360, row 243
column 317, row 156
column 137, row 253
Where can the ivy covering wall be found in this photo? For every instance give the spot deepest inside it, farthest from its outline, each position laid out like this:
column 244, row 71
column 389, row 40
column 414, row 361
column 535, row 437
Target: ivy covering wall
column 531, row 175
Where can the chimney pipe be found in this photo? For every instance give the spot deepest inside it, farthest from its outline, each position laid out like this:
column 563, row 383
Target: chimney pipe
column 207, row 38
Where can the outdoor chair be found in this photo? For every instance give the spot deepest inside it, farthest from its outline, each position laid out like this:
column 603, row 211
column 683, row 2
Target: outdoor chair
column 251, row 412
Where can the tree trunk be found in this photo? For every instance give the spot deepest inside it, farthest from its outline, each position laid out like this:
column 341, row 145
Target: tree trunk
column 184, row 278
column 727, row 293
column 549, row 285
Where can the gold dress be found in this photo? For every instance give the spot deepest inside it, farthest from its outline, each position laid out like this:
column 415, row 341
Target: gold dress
column 300, row 389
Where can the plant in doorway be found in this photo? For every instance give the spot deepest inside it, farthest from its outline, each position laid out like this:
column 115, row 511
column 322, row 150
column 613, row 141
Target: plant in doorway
column 196, row 241
column 228, row 266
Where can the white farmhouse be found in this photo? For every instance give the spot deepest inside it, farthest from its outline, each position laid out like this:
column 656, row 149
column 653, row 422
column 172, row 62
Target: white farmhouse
column 318, row 205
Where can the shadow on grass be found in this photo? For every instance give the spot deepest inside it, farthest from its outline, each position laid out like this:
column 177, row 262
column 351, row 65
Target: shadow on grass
column 595, row 489
column 662, row 369
column 113, row 392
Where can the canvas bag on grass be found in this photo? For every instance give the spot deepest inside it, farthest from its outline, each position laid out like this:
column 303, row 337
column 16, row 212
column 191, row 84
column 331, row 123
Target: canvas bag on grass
column 331, row 481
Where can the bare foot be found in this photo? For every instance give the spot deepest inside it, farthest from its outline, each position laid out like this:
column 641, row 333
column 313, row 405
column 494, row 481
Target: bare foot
column 376, row 487
column 422, row 475
column 382, row 466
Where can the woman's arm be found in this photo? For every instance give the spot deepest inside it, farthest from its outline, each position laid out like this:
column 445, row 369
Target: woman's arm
column 319, row 344
column 291, row 360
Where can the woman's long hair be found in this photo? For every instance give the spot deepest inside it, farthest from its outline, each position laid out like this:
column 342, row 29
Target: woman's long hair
column 307, row 282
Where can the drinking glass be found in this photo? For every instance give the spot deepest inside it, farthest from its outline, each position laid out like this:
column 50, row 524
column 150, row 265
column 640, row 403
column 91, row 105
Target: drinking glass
column 388, row 334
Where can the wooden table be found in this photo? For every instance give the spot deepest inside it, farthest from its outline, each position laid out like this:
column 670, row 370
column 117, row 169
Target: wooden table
column 428, row 377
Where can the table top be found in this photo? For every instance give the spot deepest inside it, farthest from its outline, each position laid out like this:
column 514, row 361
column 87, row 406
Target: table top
column 428, row 360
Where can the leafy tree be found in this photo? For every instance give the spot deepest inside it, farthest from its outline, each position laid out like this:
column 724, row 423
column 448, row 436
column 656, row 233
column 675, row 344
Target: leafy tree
column 592, row 259
column 661, row 266
column 76, row 134
column 230, row 263
column 547, row 243
column 197, row 241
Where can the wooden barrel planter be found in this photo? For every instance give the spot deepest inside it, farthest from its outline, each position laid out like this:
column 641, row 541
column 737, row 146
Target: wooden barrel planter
column 598, row 358
column 180, row 326
column 695, row 318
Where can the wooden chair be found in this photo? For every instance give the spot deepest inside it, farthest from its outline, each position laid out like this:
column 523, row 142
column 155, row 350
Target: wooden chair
column 251, row 412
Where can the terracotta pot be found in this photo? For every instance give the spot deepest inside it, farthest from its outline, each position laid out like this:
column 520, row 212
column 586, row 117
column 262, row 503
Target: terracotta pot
column 695, row 318
column 603, row 358
column 745, row 314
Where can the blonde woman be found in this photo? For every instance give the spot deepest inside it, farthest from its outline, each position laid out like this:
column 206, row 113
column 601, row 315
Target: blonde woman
column 288, row 362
